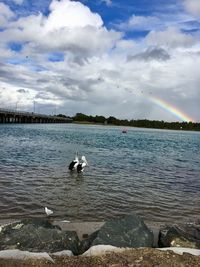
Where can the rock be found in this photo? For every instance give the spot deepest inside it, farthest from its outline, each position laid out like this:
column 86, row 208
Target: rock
column 182, row 235
column 17, row 254
column 63, row 253
column 100, row 250
column 86, row 243
column 128, row 231
column 38, row 235
column 36, row 222
column 180, row 250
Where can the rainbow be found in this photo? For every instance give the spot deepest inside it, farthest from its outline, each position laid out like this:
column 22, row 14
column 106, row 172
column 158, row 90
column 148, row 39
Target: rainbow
column 166, row 106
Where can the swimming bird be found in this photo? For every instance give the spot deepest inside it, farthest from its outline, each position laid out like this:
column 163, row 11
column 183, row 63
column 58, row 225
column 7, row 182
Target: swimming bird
column 48, row 211
column 73, row 165
column 81, row 165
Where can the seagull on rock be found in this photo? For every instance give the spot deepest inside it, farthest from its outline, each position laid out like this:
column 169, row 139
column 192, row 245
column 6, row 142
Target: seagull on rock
column 73, row 165
column 48, row 211
column 81, row 165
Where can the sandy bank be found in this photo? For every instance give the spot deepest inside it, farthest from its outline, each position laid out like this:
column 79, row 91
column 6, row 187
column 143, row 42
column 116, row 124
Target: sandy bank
column 145, row 257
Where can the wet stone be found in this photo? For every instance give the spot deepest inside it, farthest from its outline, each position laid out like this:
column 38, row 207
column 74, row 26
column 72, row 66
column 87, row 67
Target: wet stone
column 37, row 235
column 86, row 243
column 181, row 235
column 127, row 231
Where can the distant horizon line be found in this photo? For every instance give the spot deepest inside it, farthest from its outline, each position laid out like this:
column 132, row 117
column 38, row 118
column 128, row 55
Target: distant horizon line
column 183, row 121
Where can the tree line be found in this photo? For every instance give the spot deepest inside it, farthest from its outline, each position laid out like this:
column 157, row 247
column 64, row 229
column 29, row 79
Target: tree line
column 80, row 117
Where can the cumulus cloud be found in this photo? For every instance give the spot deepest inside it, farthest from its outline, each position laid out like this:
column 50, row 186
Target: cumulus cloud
column 70, row 60
column 70, row 14
column 156, row 22
column 140, row 23
column 70, row 26
column 151, row 53
column 171, row 37
column 22, row 91
column 5, row 14
column 193, row 6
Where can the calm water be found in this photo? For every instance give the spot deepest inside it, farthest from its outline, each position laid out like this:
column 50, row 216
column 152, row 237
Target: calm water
column 151, row 172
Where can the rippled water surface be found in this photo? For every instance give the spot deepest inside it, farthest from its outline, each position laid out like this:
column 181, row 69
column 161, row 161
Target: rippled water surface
column 154, row 173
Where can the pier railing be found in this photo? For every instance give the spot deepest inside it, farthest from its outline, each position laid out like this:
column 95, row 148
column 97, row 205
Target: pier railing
column 15, row 116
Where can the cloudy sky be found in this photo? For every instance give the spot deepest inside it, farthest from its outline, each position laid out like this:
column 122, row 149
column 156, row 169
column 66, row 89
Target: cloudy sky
column 131, row 59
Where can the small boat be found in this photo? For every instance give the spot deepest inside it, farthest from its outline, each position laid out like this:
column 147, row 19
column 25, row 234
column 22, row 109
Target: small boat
column 124, row 131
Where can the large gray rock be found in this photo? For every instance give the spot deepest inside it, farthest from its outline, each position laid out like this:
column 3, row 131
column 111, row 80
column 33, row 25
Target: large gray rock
column 37, row 235
column 182, row 235
column 128, row 231
column 86, row 243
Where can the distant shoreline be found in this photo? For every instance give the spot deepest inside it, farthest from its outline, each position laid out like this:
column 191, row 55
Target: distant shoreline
column 139, row 123
column 124, row 126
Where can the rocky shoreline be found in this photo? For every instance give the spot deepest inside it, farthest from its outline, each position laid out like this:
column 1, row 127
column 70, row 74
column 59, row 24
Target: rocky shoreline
column 63, row 243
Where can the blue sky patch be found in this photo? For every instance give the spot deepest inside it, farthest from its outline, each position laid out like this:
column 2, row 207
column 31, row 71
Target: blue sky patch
column 136, row 34
column 14, row 46
column 56, row 57
column 31, row 65
column 16, row 61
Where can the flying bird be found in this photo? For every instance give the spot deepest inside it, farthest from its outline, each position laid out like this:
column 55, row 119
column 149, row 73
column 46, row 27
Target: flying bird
column 73, row 165
column 48, row 211
column 81, row 165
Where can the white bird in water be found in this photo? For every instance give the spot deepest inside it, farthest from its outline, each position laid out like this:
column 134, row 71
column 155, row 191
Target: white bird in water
column 81, row 165
column 48, row 211
column 73, row 165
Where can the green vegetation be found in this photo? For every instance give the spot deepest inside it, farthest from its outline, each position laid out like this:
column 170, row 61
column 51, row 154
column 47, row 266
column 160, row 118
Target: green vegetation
column 61, row 116
column 82, row 118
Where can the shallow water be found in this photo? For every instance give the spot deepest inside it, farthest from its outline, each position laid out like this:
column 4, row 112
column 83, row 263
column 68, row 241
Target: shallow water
column 155, row 173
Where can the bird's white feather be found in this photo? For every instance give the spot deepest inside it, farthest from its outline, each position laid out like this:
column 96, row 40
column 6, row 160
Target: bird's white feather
column 48, row 211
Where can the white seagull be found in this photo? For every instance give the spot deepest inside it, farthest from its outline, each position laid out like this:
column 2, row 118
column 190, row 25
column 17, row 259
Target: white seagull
column 73, row 165
column 48, row 211
column 81, row 165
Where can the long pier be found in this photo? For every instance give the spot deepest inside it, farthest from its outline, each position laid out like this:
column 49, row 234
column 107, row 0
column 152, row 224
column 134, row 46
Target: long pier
column 14, row 116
